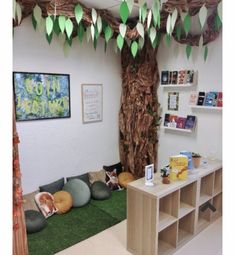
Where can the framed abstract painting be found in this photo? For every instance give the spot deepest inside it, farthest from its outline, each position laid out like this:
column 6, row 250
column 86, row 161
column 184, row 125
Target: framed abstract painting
column 40, row 96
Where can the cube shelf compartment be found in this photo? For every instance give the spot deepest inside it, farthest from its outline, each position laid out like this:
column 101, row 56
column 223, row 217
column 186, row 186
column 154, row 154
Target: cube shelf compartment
column 206, row 188
column 218, row 182
column 168, row 210
column 162, row 218
column 217, row 203
column 187, row 199
column 167, row 239
column 186, row 227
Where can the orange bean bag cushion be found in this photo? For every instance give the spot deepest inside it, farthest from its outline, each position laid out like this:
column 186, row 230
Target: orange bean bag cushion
column 124, row 178
column 63, row 201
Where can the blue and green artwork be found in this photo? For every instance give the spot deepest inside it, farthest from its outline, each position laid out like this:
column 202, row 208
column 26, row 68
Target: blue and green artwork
column 41, row 96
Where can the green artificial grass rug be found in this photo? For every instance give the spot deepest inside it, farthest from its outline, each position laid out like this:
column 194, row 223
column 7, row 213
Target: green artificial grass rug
column 63, row 231
column 115, row 206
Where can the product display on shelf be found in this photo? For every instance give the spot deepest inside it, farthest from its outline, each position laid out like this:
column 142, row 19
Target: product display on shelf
column 174, row 121
column 182, row 77
column 210, row 99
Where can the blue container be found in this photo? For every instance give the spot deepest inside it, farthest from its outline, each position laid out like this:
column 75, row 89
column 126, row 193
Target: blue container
column 190, row 161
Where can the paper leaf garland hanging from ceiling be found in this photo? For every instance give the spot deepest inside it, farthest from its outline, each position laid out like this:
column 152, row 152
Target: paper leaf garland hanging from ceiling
column 122, row 29
column 62, row 20
column 203, row 15
column 134, row 48
column 37, row 13
column 49, row 25
column 78, row 13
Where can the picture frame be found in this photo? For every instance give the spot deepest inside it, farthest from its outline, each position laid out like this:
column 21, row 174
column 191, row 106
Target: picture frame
column 173, row 101
column 92, row 103
column 149, row 175
column 41, row 96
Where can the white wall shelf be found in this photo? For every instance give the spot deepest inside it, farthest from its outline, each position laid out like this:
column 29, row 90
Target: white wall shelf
column 206, row 107
column 177, row 86
column 178, row 129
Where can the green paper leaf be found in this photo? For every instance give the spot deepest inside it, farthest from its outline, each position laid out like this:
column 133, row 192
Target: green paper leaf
column 205, row 53
column 168, row 25
column 34, row 22
column 108, row 33
column 218, row 22
column 99, row 24
column 122, row 29
column 88, row 34
column 157, row 40
column 187, row 23
column 62, row 21
column 167, row 40
column 219, row 10
column 178, row 31
column 188, row 50
column 49, row 25
column 124, row 12
column 105, row 46
column 78, row 13
column 69, row 27
column 202, row 15
column 69, row 40
column 80, row 32
column 152, row 34
column 130, row 4
column 141, row 43
column 134, row 48
column 37, row 13
column 174, row 17
column 94, row 15
column 92, row 32
column 143, row 12
column 56, row 27
column 140, row 29
column 200, row 43
column 18, row 13
column 95, row 43
column 96, row 32
column 156, row 13
column 49, row 38
column 42, row 26
column 120, row 42
column 149, row 19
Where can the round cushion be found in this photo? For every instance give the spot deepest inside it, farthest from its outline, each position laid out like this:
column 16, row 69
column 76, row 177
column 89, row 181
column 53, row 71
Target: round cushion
column 124, row 178
column 63, row 201
column 34, row 221
column 79, row 191
column 100, row 191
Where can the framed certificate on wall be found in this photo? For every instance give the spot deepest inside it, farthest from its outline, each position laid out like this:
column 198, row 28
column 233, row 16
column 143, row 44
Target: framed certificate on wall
column 92, row 103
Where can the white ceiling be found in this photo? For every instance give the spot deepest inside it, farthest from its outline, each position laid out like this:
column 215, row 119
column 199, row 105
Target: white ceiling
column 112, row 5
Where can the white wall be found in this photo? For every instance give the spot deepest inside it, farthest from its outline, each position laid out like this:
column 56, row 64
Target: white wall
column 207, row 139
column 51, row 149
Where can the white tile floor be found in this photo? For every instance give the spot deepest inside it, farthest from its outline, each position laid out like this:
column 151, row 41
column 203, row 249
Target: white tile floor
column 113, row 241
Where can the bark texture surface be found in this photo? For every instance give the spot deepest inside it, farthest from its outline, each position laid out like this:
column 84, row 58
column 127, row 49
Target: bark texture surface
column 138, row 112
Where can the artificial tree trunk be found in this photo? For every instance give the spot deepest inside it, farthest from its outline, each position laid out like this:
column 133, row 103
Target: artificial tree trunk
column 138, row 114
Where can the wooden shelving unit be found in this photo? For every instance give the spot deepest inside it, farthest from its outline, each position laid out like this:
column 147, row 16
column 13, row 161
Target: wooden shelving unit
column 162, row 218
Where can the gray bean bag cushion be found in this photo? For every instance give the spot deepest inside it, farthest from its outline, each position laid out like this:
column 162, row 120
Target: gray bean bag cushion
column 100, row 191
column 52, row 187
column 35, row 221
column 79, row 191
column 83, row 177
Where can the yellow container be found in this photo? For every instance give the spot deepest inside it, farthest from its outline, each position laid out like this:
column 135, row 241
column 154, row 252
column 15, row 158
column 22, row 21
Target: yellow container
column 178, row 167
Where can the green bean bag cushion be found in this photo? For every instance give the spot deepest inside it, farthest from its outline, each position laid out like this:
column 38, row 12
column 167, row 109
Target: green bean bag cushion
column 34, row 221
column 79, row 191
column 100, row 191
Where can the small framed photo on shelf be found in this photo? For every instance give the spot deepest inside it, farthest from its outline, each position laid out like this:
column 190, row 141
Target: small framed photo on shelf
column 92, row 103
column 149, row 175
